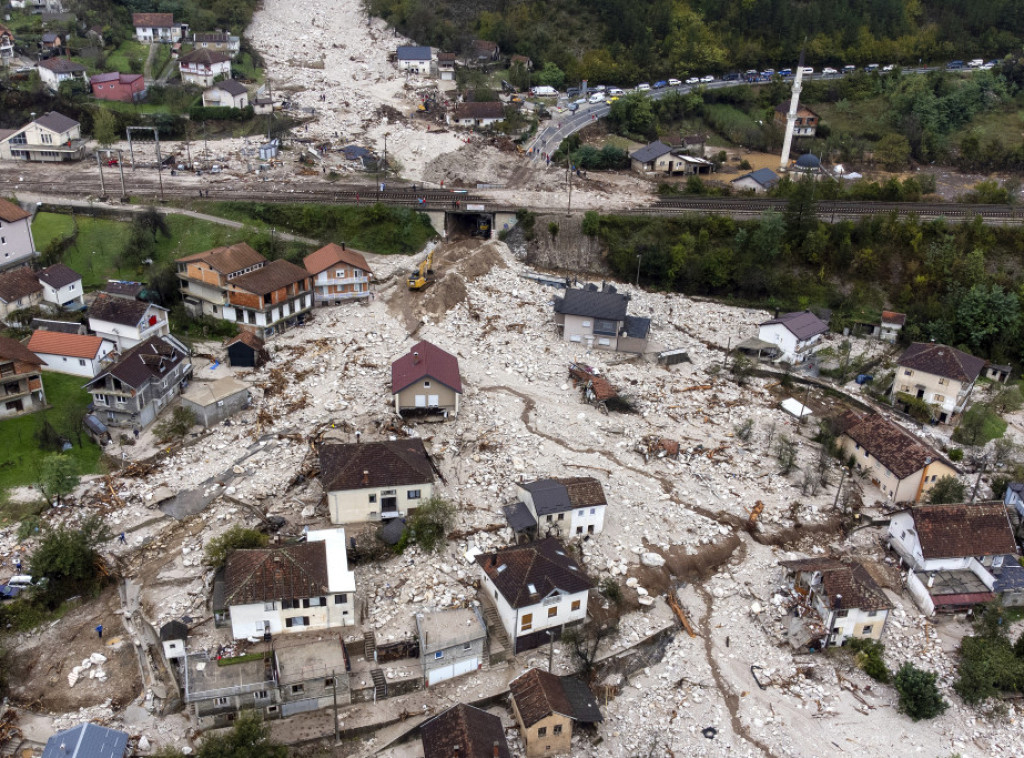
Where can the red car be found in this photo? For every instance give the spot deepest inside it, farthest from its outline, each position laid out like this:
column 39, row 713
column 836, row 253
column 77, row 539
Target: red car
column 112, row 162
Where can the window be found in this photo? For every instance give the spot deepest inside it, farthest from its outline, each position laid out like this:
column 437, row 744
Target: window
column 581, row 514
column 542, row 731
column 221, row 701
column 439, row 655
column 412, row 495
column 313, row 602
column 867, row 630
column 552, row 611
column 575, row 605
column 579, row 530
column 842, row 614
column 260, row 694
column 557, row 729
column 373, row 498
column 297, row 621
column 908, row 372
column 341, row 599
column 527, row 622
column 81, row 361
column 604, row 341
column 549, row 518
column 872, row 614
column 467, row 645
column 585, row 323
column 101, row 399
column 593, row 511
column 561, row 517
column 297, row 688
column 943, row 381
column 940, row 398
column 270, row 606
column 426, row 384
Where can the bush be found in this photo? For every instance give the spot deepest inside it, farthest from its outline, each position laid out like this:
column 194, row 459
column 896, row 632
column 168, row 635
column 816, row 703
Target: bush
column 948, row 489
column 235, row 538
column 591, row 223
column 956, row 455
column 868, row 654
column 67, row 559
column 181, row 422
column 612, row 590
column 919, row 696
column 430, row 523
column 198, row 113
column 979, row 425
column 918, row 409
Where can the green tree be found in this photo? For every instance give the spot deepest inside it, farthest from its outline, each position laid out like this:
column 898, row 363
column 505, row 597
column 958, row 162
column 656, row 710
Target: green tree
column 67, row 559
column 551, row 76
column 948, row 489
column 104, row 127
column 893, row 151
column 249, row 738
column 919, row 696
column 518, row 76
column 633, row 115
column 58, row 476
column 236, row 538
column 430, row 523
column 177, row 426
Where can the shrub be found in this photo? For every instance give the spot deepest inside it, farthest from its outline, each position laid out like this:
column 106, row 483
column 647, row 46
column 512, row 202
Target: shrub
column 611, row 590
column 948, row 489
column 430, row 523
column 67, row 559
column 181, row 422
column 868, row 655
column 235, row 538
column 919, row 696
column 956, row 455
column 591, row 223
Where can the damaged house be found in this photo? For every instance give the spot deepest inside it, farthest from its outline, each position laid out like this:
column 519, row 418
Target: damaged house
column 464, row 731
column 570, row 507
column 426, row 379
column 940, row 375
column 546, row 707
column 597, row 318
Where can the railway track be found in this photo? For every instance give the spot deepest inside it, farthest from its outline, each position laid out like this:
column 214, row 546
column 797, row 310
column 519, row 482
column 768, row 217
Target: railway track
column 840, row 208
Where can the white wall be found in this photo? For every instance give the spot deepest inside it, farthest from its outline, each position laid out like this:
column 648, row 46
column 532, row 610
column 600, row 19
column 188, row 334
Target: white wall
column 512, row 618
column 15, row 241
column 354, row 506
column 86, row 367
column 63, row 295
column 583, row 518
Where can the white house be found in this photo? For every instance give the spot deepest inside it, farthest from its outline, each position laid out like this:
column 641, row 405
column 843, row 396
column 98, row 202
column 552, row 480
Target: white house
column 955, row 554
column 226, row 94
column 76, row 354
column 156, row 27
column 62, row 287
column 54, row 71
column 940, row 375
column 290, row 589
column 796, row 334
column 173, row 637
column 536, row 588
column 16, row 243
column 840, row 600
column 125, row 322
column 414, row 58
column 52, row 138
column 375, row 481
column 477, row 114
column 892, row 325
column 202, row 67
column 759, row 181
column 339, row 274
column 571, row 507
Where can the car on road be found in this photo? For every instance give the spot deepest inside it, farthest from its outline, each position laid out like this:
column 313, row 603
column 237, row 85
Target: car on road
column 829, row 71
column 674, row 82
column 581, row 101
column 953, row 65
column 786, row 72
column 644, row 87
column 660, row 84
column 573, row 107
column 707, row 79
column 768, row 73
column 616, row 92
column 612, row 99
column 597, row 97
column 693, row 80
column 807, row 70
column 600, row 88
column 849, row 69
column 888, row 68
column 976, row 63
column 872, row 67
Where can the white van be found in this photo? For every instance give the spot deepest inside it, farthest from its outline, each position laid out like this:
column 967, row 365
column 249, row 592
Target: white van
column 976, row 63
column 597, row 97
column 544, row 91
column 643, row 87
column 616, row 92
column 21, row 581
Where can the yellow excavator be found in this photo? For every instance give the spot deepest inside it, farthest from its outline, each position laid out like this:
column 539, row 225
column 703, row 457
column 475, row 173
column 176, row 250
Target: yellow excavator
column 424, row 274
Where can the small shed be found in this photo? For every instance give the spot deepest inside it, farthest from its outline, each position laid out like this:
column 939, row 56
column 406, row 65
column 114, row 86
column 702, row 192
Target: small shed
column 97, row 430
column 268, row 150
column 173, row 635
column 247, row 350
column 794, row 407
column 212, row 402
column 998, row 373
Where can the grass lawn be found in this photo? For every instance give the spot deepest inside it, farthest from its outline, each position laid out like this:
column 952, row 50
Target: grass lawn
column 1003, row 124
column 129, row 58
column 990, row 425
column 142, row 107
column 868, row 116
column 20, row 454
column 100, row 241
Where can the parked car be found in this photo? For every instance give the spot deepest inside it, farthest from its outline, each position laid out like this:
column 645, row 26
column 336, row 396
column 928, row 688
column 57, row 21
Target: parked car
column 616, row 92
column 872, row 67
column 976, row 63
column 612, row 99
column 768, row 72
column 674, row 82
column 597, row 97
column 643, row 87
column 849, row 69
column 581, row 101
column 600, row 88
column 660, row 84
column 786, row 72
column 955, row 65
column 693, row 80
column 829, row 71
column 707, row 79
column 572, row 92
column 888, row 67
column 807, row 70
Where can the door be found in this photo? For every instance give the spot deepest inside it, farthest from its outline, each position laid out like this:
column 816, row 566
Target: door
column 440, row 674
column 466, row 666
column 421, row 401
column 433, row 401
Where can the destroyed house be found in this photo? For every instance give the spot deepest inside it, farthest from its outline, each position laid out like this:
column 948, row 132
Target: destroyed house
column 290, row 589
column 836, row 601
column 21, row 383
column 17, row 246
column 375, row 481
column 570, row 507
column 19, row 289
column 464, row 731
column 452, row 643
column 546, row 707
column 127, row 323
column 339, row 274
column 796, row 334
column 62, row 287
column 426, row 379
column 536, row 588
column 940, row 375
column 597, row 318
column 132, row 392
column 956, row 553
column 903, row 467
column 271, row 299
column 312, row 672
column 205, row 276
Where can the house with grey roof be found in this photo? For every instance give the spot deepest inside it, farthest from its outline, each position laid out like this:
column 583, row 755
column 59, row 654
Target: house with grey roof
column 51, row 138
column 796, row 334
column 127, row 323
column 596, row 318
column 87, row 741
column 229, row 93
column 657, row 157
column 759, row 181
column 452, row 643
column 414, row 59
column 566, row 507
column 62, row 287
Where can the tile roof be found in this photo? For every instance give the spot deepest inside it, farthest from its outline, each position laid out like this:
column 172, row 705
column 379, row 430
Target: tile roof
column 374, row 464
column 332, row 254
column 559, row 495
column 294, row 571
column 963, row 530
column 247, row 338
column 118, row 310
column 610, row 306
column 56, row 122
column 479, row 110
column 425, row 360
column 651, row 151
column 538, row 694
column 543, row 564
column 802, row 324
column 941, row 360
column 153, row 19
column 71, row 345
column 205, row 57
column 894, row 447
column 10, row 212
column 227, row 260
column 413, row 53
column 892, row 317
column 147, row 360
column 18, row 283
column 61, row 66
column 12, row 350
column 270, row 278
column 464, row 731
column 446, row 57
column 58, row 275
column 584, row 705
column 850, row 581
column 763, row 176
column 87, row 741
column 114, row 76
column 231, row 86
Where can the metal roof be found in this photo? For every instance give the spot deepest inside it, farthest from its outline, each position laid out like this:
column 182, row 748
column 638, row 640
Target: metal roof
column 87, row 741
column 413, row 53
column 651, row 152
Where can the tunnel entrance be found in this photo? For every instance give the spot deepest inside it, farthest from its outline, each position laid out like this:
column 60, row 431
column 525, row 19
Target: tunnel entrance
column 470, row 224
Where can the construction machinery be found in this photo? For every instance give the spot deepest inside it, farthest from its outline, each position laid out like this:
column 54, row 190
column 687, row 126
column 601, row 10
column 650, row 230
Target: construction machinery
column 482, row 227
column 423, row 275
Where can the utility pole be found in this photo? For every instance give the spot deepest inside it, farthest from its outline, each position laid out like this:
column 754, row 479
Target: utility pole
column 334, row 682
column 103, row 188
column 120, row 165
column 842, row 476
column 977, row 482
column 551, row 650
column 638, row 257
column 568, row 181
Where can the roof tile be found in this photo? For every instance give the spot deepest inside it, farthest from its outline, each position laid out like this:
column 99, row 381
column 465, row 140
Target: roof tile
column 58, row 275
column 539, row 694
column 270, row 278
column 942, row 360
column 294, row 571
column 964, row 530
column 71, row 345
column 465, row 731
column 18, row 283
column 332, row 254
column 894, row 447
column 374, row 464
column 425, row 360
column 544, row 564
column 10, row 212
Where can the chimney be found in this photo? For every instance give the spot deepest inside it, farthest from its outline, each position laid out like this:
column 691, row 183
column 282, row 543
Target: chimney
column 415, row 358
column 931, row 580
column 497, row 751
column 366, row 478
column 494, row 559
column 342, row 245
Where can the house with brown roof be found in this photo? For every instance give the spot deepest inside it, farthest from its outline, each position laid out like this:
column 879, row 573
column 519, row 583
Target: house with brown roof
column 204, row 276
column 339, row 274
column 62, row 287
column 375, row 481
column 835, row 601
column 940, row 375
column 536, row 588
column 247, row 350
column 427, row 380
column 21, row 383
column 477, row 114
column 16, row 244
column 123, row 88
column 464, row 731
column 127, row 323
column 566, row 507
column 75, row 354
column 902, row 466
column 203, row 67
column 956, row 554
column 547, row 706
column 222, row 42
column 51, row 138
column 19, row 288
column 806, row 120
column 446, row 66
column 485, row 50
column 6, row 43
column 892, row 324
column 796, row 334
column 156, row 27
column 131, row 393
column 271, row 299
column 290, row 589
column 55, row 71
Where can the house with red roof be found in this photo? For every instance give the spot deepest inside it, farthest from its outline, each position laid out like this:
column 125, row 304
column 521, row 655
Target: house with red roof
column 75, row 354
column 339, row 274
column 157, row 27
column 426, row 380
column 125, row 88
column 940, row 375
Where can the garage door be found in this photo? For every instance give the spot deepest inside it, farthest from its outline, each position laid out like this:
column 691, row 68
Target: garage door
column 464, row 667
column 434, row 401
column 421, row 401
column 456, row 669
column 299, row 706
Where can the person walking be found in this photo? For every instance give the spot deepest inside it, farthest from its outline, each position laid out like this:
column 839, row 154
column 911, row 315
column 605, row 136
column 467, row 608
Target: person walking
column 122, row 539
column 99, row 631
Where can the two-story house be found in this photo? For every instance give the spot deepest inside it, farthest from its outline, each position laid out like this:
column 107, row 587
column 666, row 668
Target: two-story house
column 124, row 88
column 21, row 383
column 156, row 27
column 806, row 124
column 75, row 354
column 796, row 334
column 426, row 379
column 205, row 276
column 597, row 318
column 940, row 375
column 537, row 590
column 290, row 589
column 203, row 67
column 127, row 323
column 132, row 392
column 51, row 138
column 546, row 707
column 955, row 554
column 891, row 326
column 446, row 66
column 6, row 43
column 464, row 731
column 452, row 643
column 838, row 600
column 221, row 42
column 62, row 287
column 339, row 274
column 374, row 481
column 898, row 463
column 414, row 59
column 214, row 694
column 567, row 507
column 16, row 244
column 55, row 71
column 19, row 288
column 226, row 94
column 270, row 299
